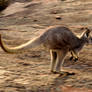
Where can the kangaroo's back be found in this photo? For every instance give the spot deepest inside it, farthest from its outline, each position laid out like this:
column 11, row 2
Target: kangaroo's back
column 59, row 38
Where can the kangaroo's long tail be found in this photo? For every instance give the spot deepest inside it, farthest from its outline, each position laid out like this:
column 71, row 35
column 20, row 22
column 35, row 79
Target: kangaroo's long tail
column 30, row 44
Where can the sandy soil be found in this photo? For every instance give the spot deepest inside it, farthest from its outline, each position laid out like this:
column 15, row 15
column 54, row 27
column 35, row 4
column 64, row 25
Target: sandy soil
column 30, row 71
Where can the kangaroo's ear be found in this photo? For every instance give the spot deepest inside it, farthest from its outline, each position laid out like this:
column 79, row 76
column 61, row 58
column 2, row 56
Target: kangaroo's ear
column 87, row 32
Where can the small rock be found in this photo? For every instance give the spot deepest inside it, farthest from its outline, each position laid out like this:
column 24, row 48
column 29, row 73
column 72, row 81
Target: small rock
column 35, row 20
column 54, row 12
column 58, row 17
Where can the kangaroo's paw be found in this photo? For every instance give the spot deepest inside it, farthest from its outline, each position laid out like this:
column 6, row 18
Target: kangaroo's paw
column 71, row 58
column 76, row 59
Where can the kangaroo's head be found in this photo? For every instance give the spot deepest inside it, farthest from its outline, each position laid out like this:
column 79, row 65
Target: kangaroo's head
column 86, row 36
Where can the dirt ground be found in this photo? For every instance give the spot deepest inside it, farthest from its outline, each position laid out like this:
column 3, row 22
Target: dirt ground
column 30, row 71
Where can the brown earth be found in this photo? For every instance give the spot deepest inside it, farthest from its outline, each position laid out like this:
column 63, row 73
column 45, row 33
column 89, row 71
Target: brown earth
column 30, row 71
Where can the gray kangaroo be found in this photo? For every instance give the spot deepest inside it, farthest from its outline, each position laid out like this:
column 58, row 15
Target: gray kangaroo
column 59, row 40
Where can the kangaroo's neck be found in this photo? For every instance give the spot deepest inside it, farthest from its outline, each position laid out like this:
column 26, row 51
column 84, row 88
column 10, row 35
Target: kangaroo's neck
column 81, row 43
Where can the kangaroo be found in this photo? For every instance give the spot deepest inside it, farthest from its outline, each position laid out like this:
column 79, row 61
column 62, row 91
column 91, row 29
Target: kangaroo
column 59, row 41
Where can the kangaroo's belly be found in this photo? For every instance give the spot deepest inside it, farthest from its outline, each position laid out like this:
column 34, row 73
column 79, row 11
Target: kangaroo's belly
column 55, row 45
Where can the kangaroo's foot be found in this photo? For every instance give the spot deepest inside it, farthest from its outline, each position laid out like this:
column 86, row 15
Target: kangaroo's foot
column 62, row 73
column 56, row 72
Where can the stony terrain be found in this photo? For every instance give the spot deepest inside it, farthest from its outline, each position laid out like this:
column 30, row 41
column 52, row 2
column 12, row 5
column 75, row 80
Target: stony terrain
column 30, row 71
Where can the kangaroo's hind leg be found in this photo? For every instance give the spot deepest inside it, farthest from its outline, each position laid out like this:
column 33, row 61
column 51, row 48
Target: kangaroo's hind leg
column 53, row 59
column 60, row 59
